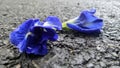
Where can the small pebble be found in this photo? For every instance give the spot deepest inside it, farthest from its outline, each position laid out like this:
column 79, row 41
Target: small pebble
column 90, row 65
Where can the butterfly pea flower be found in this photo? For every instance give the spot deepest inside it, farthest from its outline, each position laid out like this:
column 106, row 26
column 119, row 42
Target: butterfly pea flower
column 87, row 22
column 32, row 35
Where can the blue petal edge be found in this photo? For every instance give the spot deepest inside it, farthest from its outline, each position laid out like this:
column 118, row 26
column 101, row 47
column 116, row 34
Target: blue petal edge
column 77, row 28
column 53, row 22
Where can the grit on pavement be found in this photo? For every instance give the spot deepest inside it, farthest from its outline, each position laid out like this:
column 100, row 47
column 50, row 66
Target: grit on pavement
column 73, row 49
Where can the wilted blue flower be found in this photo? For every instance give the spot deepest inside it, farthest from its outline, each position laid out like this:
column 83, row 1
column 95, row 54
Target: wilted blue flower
column 86, row 22
column 32, row 35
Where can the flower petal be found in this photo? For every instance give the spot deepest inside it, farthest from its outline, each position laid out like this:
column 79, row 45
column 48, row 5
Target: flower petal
column 22, row 46
column 30, row 46
column 38, row 49
column 18, row 34
column 32, row 35
column 52, row 35
column 25, row 42
column 86, row 22
column 83, row 30
column 87, row 16
column 53, row 22
column 25, row 26
column 16, row 37
column 92, row 11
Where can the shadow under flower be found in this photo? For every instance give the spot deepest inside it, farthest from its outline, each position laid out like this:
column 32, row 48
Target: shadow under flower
column 77, row 34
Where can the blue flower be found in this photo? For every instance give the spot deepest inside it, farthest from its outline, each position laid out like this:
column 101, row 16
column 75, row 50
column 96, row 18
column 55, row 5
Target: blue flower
column 85, row 23
column 32, row 35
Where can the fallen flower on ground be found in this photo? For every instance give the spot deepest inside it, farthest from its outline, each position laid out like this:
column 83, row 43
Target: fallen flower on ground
column 32, row 35
column 85, row 23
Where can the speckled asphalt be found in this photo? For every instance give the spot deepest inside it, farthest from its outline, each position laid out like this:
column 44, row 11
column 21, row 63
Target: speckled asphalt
column 73, row 49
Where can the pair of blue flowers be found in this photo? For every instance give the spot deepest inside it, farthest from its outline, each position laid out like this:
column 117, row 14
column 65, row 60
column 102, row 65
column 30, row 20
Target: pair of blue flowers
column 32, row 35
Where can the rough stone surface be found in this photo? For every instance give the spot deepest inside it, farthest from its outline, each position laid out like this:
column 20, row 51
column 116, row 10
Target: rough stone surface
column 2, row 66
column 115, row 67
column 73, row 49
